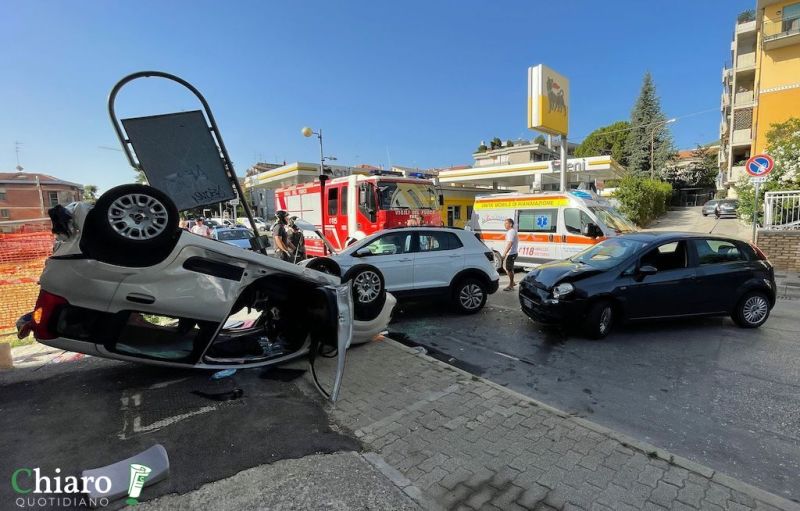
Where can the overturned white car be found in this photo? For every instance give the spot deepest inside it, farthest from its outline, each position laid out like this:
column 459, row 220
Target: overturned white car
column 124, row 282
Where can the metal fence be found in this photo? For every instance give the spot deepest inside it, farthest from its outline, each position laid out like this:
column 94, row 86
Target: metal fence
column 782, row 210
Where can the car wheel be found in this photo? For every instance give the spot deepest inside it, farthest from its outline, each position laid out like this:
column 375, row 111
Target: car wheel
column 752, row 310
column 469, row 295
column 705, row 214
column 131, row 225
column 323, row 265
column 498, row 262
column 369, row 291
column 600, row 320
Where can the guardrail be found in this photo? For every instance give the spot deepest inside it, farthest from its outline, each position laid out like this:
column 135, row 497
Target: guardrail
column 782, row 210
column 782, row 27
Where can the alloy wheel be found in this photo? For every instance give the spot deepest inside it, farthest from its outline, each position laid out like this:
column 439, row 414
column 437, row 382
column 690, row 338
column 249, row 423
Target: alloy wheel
column 367, row 285
column 138, row 217
column 755, row 309
column 471, row 296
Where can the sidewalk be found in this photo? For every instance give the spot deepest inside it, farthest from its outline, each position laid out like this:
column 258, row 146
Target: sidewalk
column 455, row 441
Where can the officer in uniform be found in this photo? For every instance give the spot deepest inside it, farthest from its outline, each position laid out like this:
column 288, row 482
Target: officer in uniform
column 280, row 236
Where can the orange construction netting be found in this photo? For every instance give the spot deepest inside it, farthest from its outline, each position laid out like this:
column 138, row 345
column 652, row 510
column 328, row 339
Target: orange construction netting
column 22, row 257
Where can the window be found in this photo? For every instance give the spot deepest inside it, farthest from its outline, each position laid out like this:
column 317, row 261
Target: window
column 344, row 200
column 538, row 220
column 669, row 256
column 791, row 17
column 469, row 212
column 718, row 251
column 2, row 194
column 575, row 220
column 333, row 201
column 4, row 213
column 435, row 241
column 391, row 244
column 454, row 212
column 52, row 198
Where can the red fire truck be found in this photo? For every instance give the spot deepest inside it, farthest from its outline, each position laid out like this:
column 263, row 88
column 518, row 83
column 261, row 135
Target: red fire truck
column 356, row 206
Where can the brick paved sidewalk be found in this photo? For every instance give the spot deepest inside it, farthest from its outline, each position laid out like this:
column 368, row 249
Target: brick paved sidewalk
column 456, row 441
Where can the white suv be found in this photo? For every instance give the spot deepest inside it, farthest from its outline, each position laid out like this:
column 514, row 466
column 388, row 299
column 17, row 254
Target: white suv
column 417, row 261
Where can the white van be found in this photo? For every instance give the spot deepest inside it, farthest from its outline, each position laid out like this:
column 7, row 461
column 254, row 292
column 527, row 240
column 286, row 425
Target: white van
column 551, row 225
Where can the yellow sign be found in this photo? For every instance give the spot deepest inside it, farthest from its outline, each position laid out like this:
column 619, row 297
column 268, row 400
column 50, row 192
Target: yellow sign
column 543, row 202
column 548, row 101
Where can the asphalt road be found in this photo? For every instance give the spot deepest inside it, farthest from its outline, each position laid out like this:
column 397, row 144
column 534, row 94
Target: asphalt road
column 93, row 412
column 723, row 396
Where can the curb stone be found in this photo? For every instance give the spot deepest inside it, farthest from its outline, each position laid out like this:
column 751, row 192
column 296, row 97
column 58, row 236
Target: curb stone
column 627, row 441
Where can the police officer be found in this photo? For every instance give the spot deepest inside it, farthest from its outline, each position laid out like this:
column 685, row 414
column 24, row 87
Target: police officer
column 280, row 236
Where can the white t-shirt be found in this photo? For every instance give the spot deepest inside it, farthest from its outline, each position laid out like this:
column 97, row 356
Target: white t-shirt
column 202, row 230
column 511, row 235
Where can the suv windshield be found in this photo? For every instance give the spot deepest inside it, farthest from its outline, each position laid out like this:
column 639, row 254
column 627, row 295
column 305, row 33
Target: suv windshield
column 608, row 253
column 400, row 195
column 612, row 218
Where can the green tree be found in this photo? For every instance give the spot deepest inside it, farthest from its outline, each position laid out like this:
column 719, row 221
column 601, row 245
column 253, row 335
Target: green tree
column 642, row 199
column 607, row 140
column 539, row 140
column 509, row 143
column 496, row 143
column 701, row 171
column 648, row 125
column 783, row 144
column 90, row 193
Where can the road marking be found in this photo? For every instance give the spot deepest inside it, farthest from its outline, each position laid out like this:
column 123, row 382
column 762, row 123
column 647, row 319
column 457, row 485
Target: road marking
column 507, row 356
column 131, row 404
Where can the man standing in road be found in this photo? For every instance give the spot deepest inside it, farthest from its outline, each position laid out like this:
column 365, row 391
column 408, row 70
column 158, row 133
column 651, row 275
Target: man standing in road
column 510, row 252
column 283, row 247
column 201, row 229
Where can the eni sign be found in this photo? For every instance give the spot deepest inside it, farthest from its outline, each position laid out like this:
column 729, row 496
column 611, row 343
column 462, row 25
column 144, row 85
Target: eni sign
column 548, row 101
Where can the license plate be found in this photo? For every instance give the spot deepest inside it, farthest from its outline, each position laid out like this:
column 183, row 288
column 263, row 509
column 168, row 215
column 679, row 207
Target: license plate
column 527, row 303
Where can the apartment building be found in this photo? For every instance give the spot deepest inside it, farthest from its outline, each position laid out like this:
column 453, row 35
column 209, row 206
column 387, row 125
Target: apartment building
column 28, row 196
column 762, row 84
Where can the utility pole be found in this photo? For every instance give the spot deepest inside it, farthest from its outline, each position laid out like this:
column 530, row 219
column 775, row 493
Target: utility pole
column 16, row 149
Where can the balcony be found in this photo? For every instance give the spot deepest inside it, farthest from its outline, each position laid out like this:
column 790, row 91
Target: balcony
column 742, row 137
column 746, row 27
column 727, row 74
column 744, row 98
column 746, row 61
column 781, row 32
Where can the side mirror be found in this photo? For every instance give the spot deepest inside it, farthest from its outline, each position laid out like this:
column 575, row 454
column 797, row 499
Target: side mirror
column 362, row 252
column 647, row 270
column 591, row 230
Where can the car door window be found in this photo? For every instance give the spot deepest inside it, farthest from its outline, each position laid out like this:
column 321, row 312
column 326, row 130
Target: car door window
column 391, row 244
column 575, row 219
column 436, row 241
column 717, row 252
column 538, row 220
column 666, row 257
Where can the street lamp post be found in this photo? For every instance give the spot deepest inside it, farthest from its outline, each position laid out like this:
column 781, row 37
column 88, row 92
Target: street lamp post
column 656, row 127
column 307, row 132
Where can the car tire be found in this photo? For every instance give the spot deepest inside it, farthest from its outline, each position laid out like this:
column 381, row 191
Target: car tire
column 131, row 225
column 705, row 214
column 498, row 263
column 600, row 319
column 369, row 291
column 752, row 310
column 469, row 295
column 324, row 265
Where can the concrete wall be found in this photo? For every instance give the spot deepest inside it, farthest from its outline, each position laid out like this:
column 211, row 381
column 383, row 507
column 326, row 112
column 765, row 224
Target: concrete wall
column 782, row 248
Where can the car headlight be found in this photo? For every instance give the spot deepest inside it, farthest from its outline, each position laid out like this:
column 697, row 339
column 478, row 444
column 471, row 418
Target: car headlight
column 562, row 290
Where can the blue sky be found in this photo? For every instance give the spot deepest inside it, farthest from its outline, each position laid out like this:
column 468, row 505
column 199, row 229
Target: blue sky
column 416, row 83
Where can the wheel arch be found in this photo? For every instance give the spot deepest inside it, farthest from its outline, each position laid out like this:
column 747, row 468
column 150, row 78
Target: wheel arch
column 327, row 261
column 470, row 273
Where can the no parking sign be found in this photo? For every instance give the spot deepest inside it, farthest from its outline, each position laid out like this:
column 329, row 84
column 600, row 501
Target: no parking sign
column 760, row 165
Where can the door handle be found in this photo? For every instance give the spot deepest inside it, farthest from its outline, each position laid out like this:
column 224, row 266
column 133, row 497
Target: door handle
column 549, row 237
column 141, row 298
column 454, row 256
column 404, row 260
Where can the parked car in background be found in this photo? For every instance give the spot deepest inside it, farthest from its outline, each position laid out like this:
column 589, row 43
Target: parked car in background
column 124, row 282
column 647, row 276
column 417, row 261
column 261, row 225
column 727, row 207
column 236, row 236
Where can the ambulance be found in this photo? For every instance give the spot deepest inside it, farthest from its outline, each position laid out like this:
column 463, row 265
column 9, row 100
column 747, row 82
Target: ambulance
column 551, row 225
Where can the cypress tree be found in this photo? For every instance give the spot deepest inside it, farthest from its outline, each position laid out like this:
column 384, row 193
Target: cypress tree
column 648, row 120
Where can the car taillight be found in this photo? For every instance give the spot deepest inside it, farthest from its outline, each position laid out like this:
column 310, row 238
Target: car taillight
column 489, row 255
column 47, row 306
column 761, row 255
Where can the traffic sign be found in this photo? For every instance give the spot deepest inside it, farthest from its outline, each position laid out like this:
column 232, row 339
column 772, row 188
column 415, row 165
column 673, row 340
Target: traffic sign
column 234, row 202
column 759, row 165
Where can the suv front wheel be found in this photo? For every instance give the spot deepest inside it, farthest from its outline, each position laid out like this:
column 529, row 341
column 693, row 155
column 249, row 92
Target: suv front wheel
column 469, row 295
